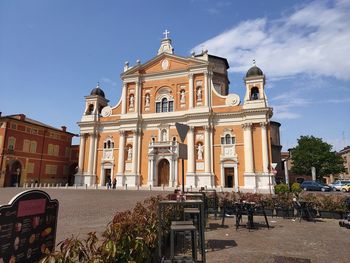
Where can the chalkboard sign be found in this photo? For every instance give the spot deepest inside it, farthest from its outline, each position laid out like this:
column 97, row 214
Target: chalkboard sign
column 27, row 227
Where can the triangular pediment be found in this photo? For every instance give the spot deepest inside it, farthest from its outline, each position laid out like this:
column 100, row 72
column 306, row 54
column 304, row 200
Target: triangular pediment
column 165, row 63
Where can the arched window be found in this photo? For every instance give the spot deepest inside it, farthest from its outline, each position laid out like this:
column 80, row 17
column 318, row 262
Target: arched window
column 254, row 93
column 90, row 109
column 108, row 144
column 164, row 105
column 228, row 139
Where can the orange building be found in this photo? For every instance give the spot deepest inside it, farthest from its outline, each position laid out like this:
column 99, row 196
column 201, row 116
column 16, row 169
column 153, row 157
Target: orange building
column 137, row 143
column 33, row 152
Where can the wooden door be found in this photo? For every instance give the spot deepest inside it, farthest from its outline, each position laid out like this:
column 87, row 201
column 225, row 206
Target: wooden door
column 229, row 177
column 163, row 172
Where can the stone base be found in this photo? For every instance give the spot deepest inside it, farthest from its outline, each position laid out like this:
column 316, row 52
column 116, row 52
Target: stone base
column 205, row 180
column 131, row 180
column 200, row 180
column 89, row 179
column 258, row 183
column 78, row 179
column 190, row 180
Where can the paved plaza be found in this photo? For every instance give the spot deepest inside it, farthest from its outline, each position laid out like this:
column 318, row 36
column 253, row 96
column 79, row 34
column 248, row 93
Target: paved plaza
column 82, row 211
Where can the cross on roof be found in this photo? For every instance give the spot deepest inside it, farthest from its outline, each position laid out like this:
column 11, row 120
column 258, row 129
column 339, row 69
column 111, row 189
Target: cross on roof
column 166, row 32
column 254, row 62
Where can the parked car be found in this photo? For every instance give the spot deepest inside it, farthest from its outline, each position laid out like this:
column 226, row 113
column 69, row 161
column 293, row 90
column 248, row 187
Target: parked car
column 345, row 188
column 315, row 186
column 337, row 185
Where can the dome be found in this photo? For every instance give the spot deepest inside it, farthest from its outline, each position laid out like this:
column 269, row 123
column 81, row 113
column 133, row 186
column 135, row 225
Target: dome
column 254, row 71
column 97, row 91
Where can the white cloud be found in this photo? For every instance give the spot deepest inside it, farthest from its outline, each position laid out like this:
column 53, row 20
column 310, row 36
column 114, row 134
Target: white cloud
column 313, row 40
column 109, row 81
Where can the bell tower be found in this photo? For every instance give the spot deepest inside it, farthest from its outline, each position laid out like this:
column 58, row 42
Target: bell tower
column 94, row 104
column 255, row 96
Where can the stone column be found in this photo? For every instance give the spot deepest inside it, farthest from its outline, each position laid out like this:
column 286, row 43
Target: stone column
column 264, row 148
column 206, row 89
column 81, row 153
column 124, row 102
column 248, row 148
column 121, row 153
column 137, row 96
column 207, row 150
column 91, row 153
column 236, row 177
column 190, row 88
column 190, row 145
column 150, row 170
column 135, row 153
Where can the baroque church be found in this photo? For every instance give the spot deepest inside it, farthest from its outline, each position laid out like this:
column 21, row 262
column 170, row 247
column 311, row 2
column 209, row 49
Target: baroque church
column 136, row 141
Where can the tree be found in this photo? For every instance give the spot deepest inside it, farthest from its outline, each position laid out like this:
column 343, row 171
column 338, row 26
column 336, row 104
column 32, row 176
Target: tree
column 313, row 152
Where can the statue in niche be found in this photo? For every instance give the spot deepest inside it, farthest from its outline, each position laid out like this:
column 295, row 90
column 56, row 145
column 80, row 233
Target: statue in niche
column 129, row 153
column 182, row 96
column 199, row 94
column 131, row 101
column 147, row 100
column 200, row 151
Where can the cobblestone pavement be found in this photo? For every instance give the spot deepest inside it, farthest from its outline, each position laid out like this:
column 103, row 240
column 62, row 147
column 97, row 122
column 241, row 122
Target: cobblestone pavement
column 288, row 241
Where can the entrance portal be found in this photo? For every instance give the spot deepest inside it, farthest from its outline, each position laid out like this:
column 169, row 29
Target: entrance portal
column 163, row 172
column 13, row 174
column 229, row 175
column 108, row 179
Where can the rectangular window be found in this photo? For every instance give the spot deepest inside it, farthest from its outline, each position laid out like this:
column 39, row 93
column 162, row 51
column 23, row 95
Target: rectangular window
column 171, row 106
column 50, row 149
column 33, row 146
column 56, row 150
column 233, row 140
column 51, row 169
column 30, row 168
column 158, row 107
column 14, row 126
column 26, row 145
column 222, row 140
column 11, row 143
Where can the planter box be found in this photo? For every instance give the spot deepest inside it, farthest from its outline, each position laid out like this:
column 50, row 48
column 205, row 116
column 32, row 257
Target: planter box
column 269, row 212
column 331, row 214
column 284, row 212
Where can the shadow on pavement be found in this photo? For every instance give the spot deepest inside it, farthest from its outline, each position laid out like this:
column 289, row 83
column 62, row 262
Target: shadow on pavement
column 216, row 244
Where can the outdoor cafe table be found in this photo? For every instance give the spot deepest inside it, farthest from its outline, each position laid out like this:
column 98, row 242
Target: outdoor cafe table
column 181, row 204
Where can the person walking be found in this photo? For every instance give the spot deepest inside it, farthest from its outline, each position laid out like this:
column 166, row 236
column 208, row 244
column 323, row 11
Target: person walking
column 114, row 182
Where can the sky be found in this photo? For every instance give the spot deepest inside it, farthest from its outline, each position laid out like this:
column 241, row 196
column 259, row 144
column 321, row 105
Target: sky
column 53, row 53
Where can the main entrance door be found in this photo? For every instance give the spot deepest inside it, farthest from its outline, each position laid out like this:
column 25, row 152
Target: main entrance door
column 13, row 174
column 229, row 175
column 163, row 172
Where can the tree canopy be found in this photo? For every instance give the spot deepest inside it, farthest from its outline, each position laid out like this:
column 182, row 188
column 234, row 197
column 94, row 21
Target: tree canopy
column 313, row 152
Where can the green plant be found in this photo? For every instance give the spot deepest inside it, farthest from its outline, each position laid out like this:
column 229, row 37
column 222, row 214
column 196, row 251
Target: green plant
column 281, row 188
column 130, row 237
column 295, row 188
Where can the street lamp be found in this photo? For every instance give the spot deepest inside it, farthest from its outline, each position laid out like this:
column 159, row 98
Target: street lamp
column 18, row 171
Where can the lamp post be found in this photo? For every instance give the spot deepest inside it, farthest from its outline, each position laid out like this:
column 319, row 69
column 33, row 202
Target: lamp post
column 18, row 171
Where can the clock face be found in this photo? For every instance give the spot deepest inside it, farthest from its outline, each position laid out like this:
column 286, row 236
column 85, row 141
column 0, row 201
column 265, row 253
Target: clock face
column 106, row 111
column 165, row 64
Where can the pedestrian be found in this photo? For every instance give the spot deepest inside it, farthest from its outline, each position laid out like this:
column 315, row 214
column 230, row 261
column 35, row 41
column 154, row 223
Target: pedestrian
column 114, row 182
column 108, row 183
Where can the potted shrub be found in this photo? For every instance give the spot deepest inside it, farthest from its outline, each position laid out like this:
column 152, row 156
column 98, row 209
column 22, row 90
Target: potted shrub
column 284, row 205
column 331, row 206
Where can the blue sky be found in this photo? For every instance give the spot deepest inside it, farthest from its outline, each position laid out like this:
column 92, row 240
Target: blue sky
column 52, row 53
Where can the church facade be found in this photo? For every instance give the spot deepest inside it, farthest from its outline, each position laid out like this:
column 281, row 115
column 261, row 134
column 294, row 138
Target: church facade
column 136, row 141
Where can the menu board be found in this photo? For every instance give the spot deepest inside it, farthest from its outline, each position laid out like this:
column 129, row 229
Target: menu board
column 28, row 227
